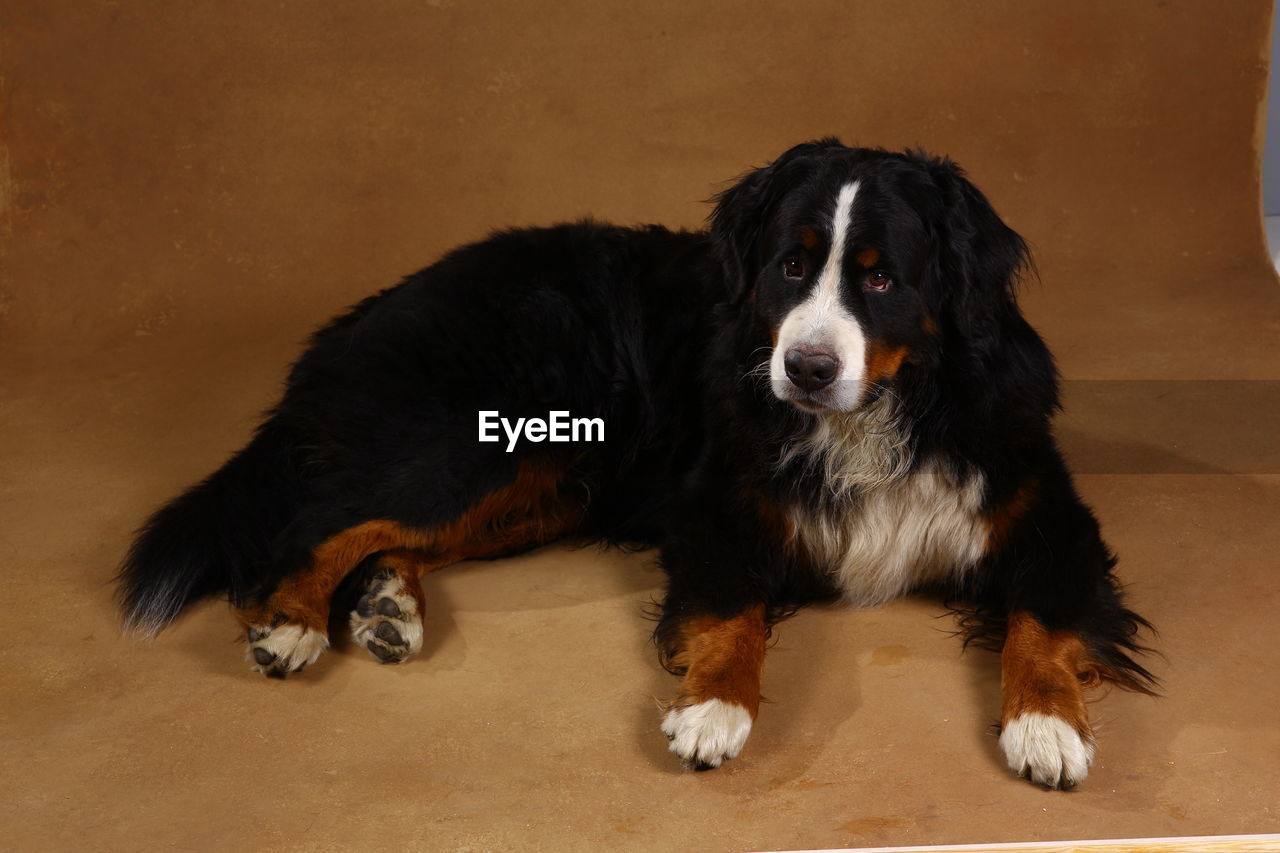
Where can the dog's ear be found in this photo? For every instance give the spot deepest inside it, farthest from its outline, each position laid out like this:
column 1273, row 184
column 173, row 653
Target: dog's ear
column 742, row 210
column 980, row 264
column 982, row 260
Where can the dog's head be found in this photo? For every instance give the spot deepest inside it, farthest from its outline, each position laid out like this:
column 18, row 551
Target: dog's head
column 862, row 264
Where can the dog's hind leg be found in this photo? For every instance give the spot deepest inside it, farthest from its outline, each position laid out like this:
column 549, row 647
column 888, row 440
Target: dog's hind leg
column 387, row 619
column 289, row 628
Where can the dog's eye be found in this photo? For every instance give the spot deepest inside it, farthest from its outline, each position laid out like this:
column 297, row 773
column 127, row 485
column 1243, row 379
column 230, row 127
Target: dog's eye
column 878, row 280
column 793, row 268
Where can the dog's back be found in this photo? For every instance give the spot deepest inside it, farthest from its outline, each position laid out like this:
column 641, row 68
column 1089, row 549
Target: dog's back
column 381, row 415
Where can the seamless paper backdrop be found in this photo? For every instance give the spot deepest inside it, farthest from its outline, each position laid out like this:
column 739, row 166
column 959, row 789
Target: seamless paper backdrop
column 176, row 168
column 188, row 189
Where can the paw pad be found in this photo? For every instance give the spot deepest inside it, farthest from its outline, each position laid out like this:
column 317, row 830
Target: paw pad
column 386, row 620
column 284, row 647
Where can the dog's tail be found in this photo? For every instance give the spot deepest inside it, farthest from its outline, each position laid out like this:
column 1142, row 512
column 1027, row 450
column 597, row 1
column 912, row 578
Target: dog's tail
column 214, row 538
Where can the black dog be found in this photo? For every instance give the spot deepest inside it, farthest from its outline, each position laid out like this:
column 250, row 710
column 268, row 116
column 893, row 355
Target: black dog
column 831, row 393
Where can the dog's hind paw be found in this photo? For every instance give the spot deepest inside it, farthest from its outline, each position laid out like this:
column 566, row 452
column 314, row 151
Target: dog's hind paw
column 707, row 734
column 1047, row 750
column 280, row 648
column 387, row 620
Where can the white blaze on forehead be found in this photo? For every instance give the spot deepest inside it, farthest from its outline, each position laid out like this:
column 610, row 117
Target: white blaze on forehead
column 826, row 297
column 823, row 321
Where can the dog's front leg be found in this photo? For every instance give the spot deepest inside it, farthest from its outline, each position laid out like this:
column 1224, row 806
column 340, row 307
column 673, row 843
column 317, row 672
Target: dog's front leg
column 720, row 659
column 1045, row 731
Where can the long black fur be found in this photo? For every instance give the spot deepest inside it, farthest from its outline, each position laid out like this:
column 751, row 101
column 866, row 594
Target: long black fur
column 661, row 334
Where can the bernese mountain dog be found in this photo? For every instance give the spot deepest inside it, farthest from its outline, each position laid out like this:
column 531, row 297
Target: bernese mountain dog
column 829, row 393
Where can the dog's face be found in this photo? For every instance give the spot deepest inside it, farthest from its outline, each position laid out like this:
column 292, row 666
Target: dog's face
column 856, row 261
column 839, row 289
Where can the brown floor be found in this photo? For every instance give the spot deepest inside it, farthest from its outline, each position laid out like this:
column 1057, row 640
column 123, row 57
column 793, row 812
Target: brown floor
column 190, row 189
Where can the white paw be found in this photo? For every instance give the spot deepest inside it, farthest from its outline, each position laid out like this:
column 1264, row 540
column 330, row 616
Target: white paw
column 276, row 652
column 708, row 733
column 1046, row 749
column 386, row 620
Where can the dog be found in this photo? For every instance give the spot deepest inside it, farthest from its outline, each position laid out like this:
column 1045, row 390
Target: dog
column 830, row 393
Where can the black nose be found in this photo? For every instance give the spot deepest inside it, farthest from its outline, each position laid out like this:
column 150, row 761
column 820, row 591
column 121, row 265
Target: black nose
column 811, row 369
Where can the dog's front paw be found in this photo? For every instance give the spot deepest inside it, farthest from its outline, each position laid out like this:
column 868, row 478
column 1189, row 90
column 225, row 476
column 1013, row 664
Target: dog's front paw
column 284, row 647
column 706, row 734
column 1047, row 750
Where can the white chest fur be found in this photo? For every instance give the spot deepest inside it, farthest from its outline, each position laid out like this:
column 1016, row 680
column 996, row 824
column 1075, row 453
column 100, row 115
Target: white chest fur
column 913, row 529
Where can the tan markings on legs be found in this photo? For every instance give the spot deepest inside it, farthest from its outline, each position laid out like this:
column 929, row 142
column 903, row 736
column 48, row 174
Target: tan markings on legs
column 526, row 513
column 721, row 659
column 711, row 717
column 410, row 566
column 1045, row 672
column 1044, row 729
column 1002, row 519
column 304, row 596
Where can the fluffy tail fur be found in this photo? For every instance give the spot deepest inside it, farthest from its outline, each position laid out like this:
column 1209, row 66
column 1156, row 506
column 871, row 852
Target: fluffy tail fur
column 216, row 537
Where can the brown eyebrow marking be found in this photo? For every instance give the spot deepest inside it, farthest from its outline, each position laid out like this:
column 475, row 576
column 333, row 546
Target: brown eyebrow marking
column 869, row 258
column 809, row 238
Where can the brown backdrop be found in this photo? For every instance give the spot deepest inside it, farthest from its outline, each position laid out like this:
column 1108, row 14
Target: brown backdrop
column 189, row 188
